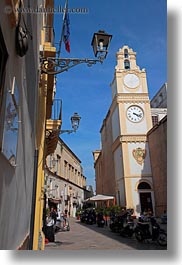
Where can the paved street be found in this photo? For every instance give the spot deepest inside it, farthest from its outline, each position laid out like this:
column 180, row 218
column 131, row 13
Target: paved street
column 86, row 237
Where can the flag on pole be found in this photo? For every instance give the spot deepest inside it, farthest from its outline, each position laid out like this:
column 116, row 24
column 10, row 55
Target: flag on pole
column 66, row 29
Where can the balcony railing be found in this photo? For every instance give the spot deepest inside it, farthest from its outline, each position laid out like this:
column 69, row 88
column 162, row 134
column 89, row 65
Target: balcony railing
column 57, row 110
column 53, row 126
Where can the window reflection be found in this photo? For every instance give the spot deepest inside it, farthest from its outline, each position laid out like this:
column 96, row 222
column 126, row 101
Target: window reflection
column 10, row 132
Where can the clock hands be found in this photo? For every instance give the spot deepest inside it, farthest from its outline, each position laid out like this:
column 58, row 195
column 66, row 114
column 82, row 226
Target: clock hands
column 138, row 115
column 135, row 113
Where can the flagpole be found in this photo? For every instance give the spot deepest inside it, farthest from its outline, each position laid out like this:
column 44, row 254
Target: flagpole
column 62, row 31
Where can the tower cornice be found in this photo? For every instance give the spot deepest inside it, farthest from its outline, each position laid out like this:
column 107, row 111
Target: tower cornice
column 130, row 98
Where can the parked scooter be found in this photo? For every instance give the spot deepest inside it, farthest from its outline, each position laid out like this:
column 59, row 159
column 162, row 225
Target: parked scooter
column 91, row 217
column 128, row 227
column 83, row 217
column 117, row 221
column 150, row 230
column 100, row 220
column 88, row 216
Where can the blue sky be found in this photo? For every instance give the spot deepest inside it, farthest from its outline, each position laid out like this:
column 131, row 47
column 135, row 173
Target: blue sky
column 142, row 25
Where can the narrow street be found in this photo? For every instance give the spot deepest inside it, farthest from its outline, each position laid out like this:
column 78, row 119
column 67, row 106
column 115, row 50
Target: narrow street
column 85, row 237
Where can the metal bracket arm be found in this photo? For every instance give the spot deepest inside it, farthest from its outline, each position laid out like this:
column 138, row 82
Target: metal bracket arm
column 53, row 66
column 67, row 131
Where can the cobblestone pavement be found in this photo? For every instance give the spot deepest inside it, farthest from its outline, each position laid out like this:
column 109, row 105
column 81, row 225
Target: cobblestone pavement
column 85, row 237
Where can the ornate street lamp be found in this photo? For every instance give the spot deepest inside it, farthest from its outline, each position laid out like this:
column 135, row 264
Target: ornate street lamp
column 100, row 42
column 75, row 121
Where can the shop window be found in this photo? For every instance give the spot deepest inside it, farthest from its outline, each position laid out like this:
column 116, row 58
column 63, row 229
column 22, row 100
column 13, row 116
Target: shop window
column 11, row 124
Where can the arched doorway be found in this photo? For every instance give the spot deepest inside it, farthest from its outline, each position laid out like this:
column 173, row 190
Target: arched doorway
column 145, row 193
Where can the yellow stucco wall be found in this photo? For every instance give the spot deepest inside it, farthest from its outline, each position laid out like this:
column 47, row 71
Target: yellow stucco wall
column 46, row 84
column 40, row 171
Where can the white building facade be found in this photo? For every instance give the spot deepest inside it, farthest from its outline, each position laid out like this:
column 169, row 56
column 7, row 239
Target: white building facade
column 127, row 122
column 65, row 182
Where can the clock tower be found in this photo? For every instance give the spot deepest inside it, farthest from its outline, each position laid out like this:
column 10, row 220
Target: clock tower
column 131, row 120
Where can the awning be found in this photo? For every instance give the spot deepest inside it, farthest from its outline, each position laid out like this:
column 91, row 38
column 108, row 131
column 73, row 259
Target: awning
column 56, row 201
column 100, row 197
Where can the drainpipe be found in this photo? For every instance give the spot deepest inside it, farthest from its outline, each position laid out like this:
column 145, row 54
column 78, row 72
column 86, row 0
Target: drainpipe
column 32, row 221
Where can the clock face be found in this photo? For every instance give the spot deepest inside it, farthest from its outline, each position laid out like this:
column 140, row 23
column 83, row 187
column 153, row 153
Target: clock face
column 135, row 113
column 131, row 80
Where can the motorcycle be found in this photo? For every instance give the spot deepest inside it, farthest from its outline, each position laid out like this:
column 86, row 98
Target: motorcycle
column 116, row 223
column 84, row 217
column 100, row 220
column 128, row 227
column 150, row 230
column 91, row 218
column 88, row 217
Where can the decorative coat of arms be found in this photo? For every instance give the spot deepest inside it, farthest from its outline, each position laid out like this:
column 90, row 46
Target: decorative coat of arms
column 139, row 154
